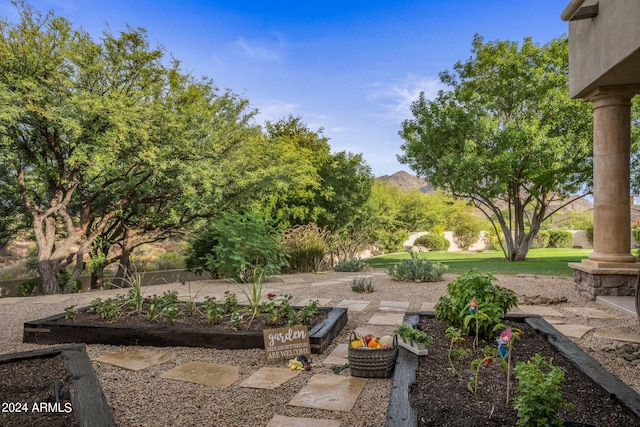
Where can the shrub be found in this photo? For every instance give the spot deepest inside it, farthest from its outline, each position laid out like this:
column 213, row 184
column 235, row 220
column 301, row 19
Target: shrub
column 560, row 239
column 539, row 400
column 493, row 300
column 240, row 246
column 169, row 261
column 465, row 236
column 305, row 246
column 435, row 242
column 541, row 240
column 390, row 241
column 417, row 270
column 362, row 284
column 352, row 265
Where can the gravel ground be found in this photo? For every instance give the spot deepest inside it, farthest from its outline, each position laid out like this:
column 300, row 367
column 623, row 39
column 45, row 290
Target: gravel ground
column 144, row 399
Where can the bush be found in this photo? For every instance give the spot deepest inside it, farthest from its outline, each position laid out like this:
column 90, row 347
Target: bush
column 541, row 240
column 417, row 270
column 560, row 239
column 305, row 246
column 352, row 265
column 434, row 242
column 466, row 230
column 240, row 246
column 390, row 241
column 493, row 300
column 539, row 400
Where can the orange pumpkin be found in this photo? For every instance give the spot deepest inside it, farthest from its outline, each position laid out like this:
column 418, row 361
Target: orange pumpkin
column 373, row 343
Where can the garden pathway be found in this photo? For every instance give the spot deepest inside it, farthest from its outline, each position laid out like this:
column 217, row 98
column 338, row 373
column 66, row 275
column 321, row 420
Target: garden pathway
column 328, row 392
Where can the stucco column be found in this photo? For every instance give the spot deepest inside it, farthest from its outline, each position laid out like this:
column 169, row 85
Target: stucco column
column 611, row 189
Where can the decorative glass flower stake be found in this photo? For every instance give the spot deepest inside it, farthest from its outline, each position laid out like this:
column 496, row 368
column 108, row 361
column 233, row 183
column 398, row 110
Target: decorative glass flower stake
column 504, row 347
column 473, row 306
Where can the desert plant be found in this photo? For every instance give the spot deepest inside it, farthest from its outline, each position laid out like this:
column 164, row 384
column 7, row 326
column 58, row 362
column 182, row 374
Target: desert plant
column 417, row 269
column 539, row 400
column 432, row 241
column 306, row 246
column 493, row 300
column 362, row 284
column 351, row 265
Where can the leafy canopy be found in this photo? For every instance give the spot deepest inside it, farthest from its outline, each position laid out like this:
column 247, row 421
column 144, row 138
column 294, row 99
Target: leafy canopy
column 505, row 136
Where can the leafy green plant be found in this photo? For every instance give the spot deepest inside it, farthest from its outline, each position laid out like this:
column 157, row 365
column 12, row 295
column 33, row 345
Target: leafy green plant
column 407, row 333
column 351, row 265
column 494, row 301
column 213, row 311
column 108, row 309
column 432, row 241
column 417, row 269
column 457, row 349
column 309, row 310
column 236, row 320
column 230, row 303
column 362, row 284
column 239, row 246
column 539, row 400
column 70, row 312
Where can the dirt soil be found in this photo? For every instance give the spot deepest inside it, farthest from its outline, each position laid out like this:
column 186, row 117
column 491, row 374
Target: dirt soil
column 439, row 394
column 28, row 395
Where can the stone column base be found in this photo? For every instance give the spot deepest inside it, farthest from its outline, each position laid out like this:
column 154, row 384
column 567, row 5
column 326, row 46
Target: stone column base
column 594, row 279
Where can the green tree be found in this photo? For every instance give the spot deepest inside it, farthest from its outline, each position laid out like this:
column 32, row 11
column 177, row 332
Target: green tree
column 106, row 140
column 505, row 136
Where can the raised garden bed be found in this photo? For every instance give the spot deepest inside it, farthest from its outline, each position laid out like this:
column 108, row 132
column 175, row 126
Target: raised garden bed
column 55, row 329
column 426, row 392
column 54, row 387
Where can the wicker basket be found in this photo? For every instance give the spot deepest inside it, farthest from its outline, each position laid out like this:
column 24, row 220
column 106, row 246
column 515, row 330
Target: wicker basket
column 372, row 363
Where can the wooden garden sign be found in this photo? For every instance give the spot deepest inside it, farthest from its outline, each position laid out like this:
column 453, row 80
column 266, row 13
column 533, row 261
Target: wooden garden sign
column 286, row 343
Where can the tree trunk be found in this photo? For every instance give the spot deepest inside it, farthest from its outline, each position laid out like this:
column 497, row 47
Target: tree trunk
column 49, row 283
column 120, row 280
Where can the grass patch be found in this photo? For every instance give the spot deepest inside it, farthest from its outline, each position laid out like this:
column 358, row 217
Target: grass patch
column 543, row 262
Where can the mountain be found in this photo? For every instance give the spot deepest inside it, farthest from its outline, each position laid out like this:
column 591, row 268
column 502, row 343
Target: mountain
column 406, row 181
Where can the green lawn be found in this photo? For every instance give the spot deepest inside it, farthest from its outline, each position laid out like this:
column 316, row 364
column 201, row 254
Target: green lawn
column 548, row 262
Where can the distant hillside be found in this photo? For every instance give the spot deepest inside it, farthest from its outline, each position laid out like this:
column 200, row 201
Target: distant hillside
column 406, row 181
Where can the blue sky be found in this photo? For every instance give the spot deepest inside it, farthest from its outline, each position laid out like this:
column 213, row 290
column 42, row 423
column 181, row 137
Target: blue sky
column 350, row 67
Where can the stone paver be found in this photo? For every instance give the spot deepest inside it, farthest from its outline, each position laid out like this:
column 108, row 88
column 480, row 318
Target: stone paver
column 540, row 310
column 624, row 304
column 282, row 421
column 330, row 392
column 353, row 305
column 428, row 306
column 400, row 306
column 617, row 336
column 573, row 331
column 135, row 359
column 386, row 319
column 339, row 356
column 591, row 313
column 269, row 378
column 205, row 373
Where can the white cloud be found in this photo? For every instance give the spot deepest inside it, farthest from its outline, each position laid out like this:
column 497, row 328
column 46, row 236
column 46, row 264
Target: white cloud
column 396, row 98
column 260, row 50
column 275, row 109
